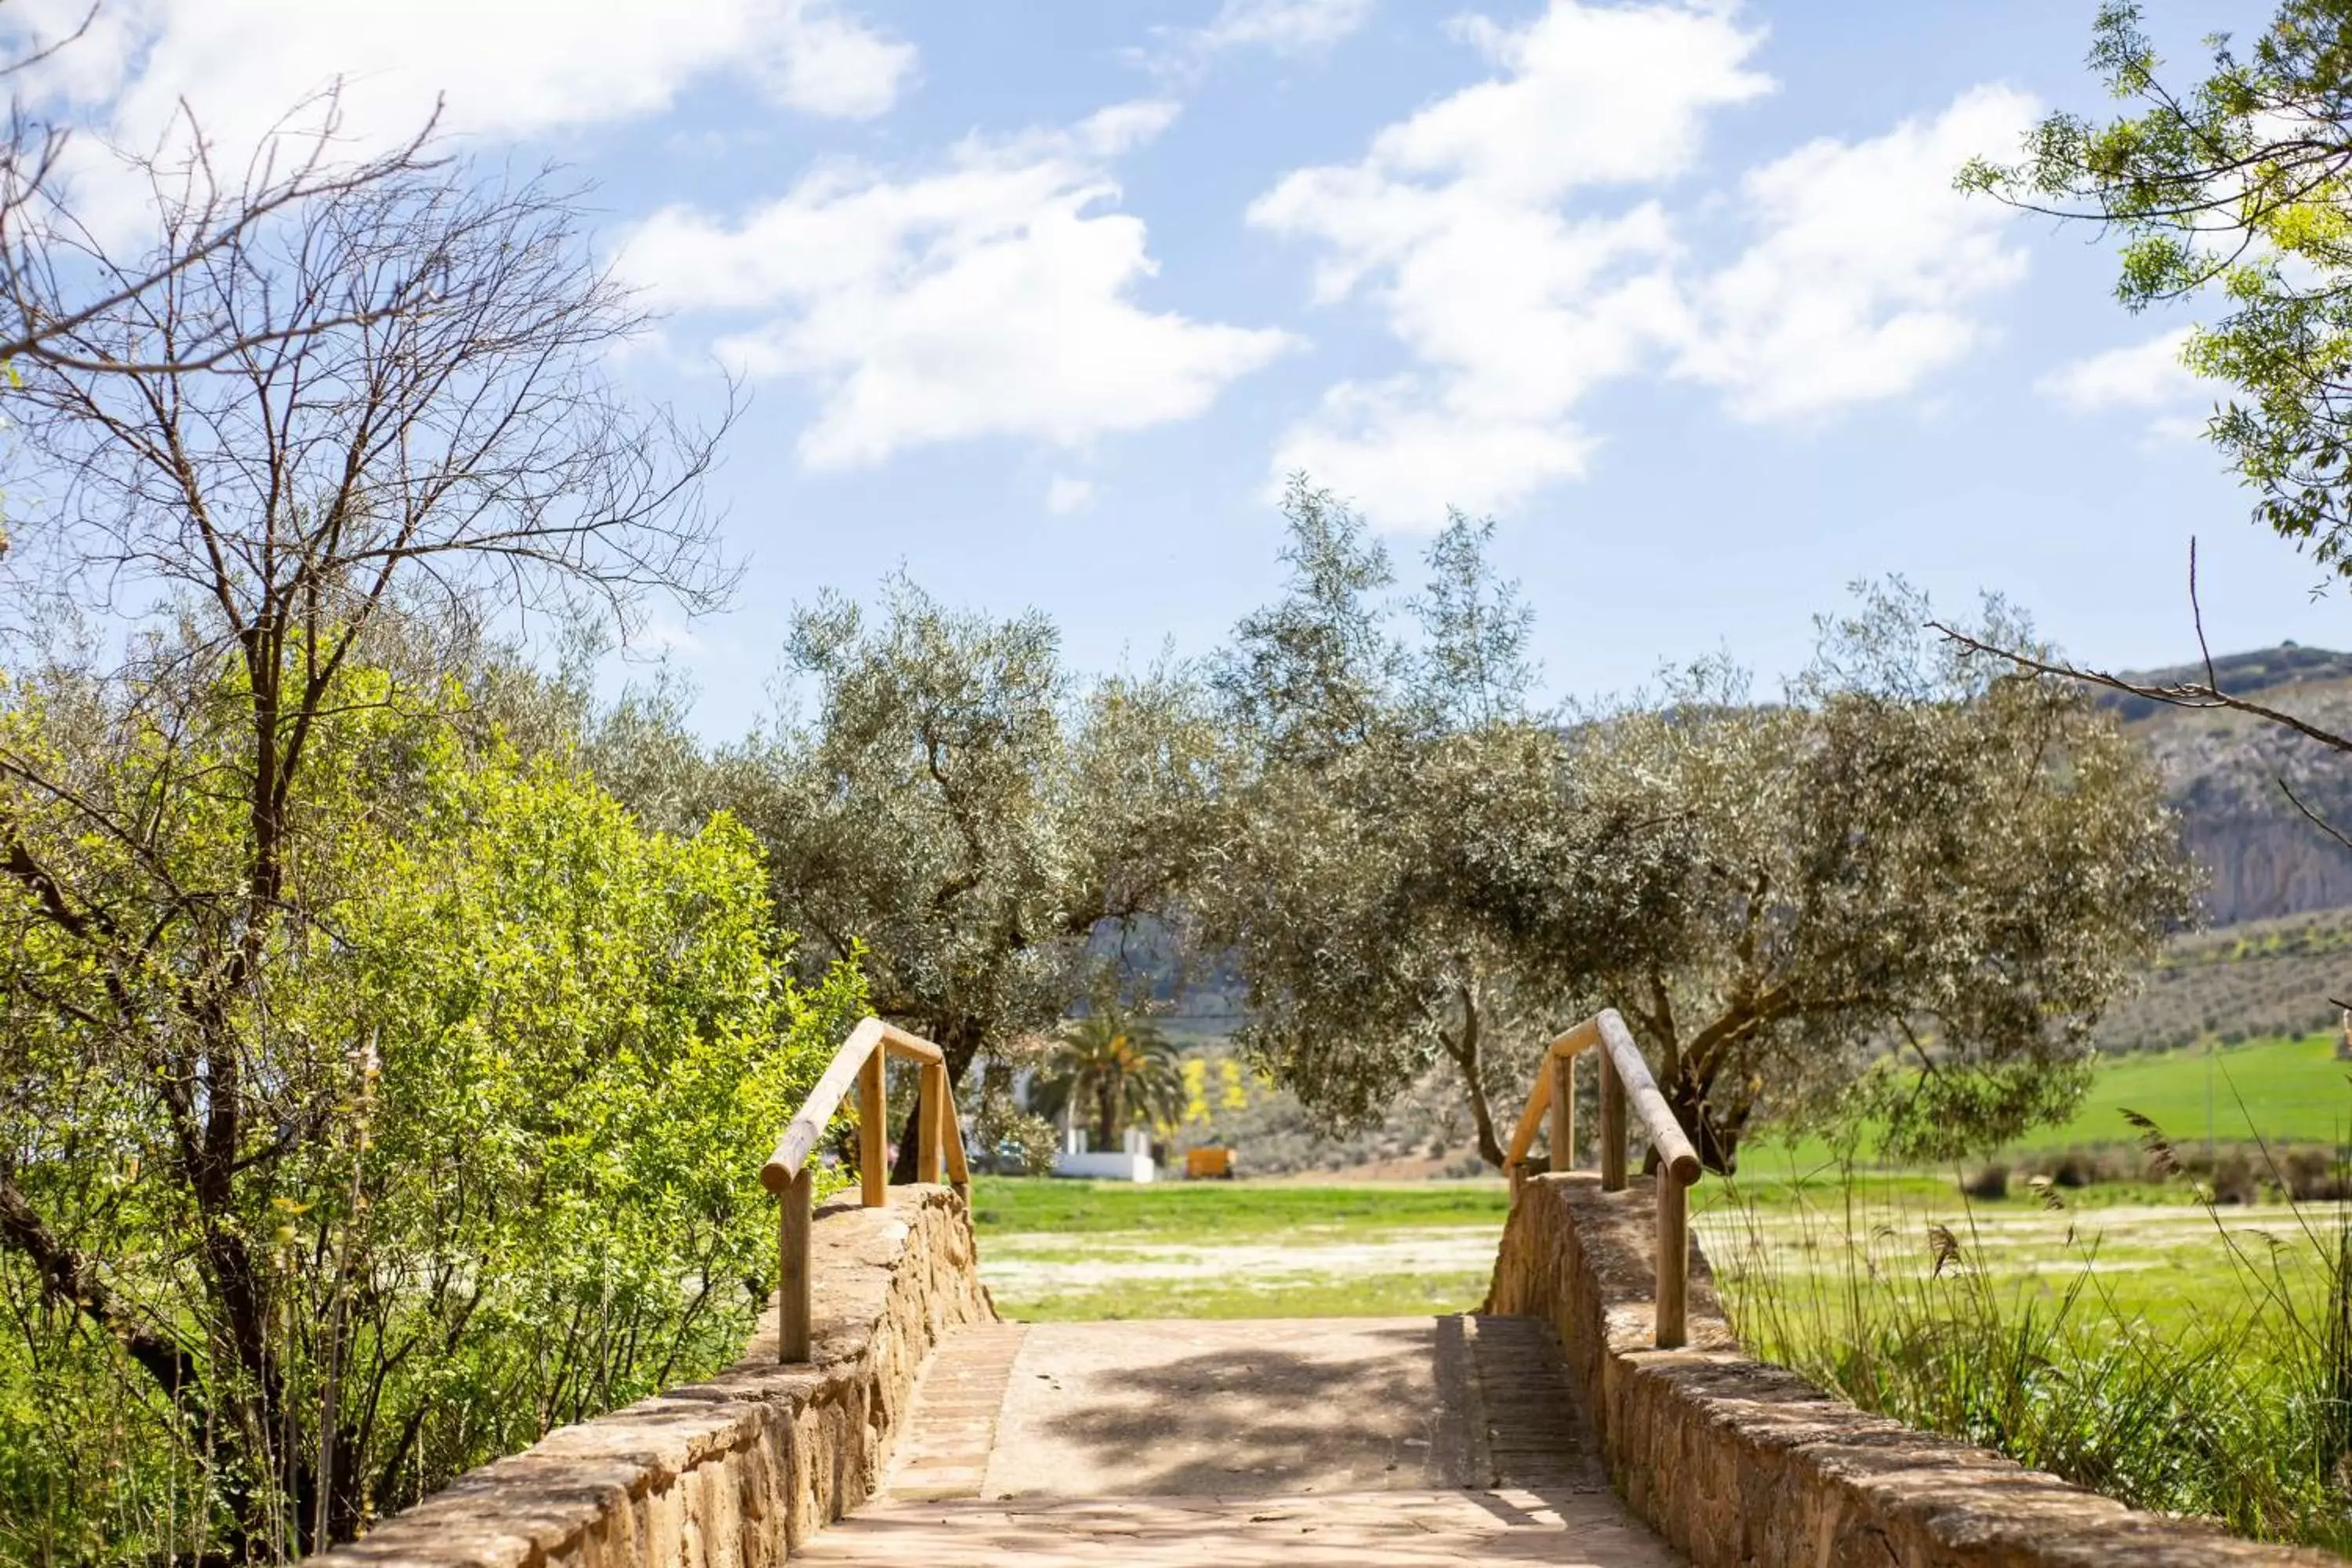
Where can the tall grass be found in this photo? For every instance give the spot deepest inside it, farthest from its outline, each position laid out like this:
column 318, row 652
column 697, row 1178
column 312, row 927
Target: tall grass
column 2242, row 1413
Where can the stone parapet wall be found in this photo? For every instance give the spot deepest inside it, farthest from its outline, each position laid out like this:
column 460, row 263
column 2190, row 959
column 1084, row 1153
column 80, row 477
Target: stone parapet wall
column 1742, row 1465
column 738, row 1471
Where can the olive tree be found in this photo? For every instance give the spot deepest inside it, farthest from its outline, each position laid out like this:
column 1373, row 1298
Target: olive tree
column 959, row 814
column 1387, row 805
column 1907, row 891
column 907, row 820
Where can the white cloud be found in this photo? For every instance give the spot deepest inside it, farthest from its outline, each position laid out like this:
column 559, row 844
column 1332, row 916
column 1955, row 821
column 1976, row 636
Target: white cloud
column 2150, row 378
column 1512, row 307
column 826, row 63
column 1867, row 260
column 2142, row 375
column 1286, row 27
column 1178, row 56
column 1068, row 493
column 505, row 68
column 992, row 296
column 1518, row 240
column 1107, row 132
column 1404, row 457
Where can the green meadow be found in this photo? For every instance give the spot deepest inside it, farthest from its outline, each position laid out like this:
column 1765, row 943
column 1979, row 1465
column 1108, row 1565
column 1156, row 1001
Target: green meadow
column 1063, row 1249
column 2279, row 1092
column 2284, row 1091
column 1009, row 1207
column 1068, row 1249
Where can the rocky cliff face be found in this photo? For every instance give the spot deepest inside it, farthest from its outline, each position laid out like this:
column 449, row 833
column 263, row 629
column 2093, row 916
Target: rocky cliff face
column 2259, row 868
column 2262, row 856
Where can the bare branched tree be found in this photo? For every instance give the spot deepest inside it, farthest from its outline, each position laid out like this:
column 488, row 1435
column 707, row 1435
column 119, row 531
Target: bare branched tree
column 2205, row 694
column 416, row 409
column 57, row 278
column 315, row 408
column 400, row 380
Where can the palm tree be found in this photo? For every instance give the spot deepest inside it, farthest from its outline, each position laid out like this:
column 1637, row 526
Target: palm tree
column 1114, row 1068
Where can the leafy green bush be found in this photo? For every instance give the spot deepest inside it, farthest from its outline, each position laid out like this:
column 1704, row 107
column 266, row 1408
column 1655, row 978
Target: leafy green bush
column 508, row 1074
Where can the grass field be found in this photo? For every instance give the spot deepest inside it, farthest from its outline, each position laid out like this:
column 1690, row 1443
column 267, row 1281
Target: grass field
column 1064, row 1250
column 2151, row 1254
column 2288, row 1092
column 2165, row 1264
column 1008, row 1206
column 1072, row 1251
column 2282, row 1092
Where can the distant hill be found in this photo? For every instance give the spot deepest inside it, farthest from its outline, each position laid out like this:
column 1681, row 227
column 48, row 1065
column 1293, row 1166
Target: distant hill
column 2223, row 770
column 2240, row 674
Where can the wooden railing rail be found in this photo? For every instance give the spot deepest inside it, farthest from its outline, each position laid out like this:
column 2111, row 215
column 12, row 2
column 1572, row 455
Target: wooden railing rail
column 1624, row 1077
column 863, row 1060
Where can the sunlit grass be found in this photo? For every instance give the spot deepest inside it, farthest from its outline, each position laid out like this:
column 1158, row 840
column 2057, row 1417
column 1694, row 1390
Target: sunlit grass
column 1065, row 1250
column 1013, row 1206
column 2180, row 1357
column 2293, row 1090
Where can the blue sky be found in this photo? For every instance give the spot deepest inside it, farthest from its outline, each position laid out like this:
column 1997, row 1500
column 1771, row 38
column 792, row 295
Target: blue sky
column 1039, row 300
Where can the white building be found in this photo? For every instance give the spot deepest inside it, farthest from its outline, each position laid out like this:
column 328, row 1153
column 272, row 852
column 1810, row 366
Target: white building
column 1131, row 1162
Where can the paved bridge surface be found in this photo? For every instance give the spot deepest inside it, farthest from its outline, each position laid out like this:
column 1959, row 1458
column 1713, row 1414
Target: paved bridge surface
column 1368, row 1442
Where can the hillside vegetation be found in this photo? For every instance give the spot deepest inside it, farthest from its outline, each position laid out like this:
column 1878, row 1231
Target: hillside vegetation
column 2238, row 983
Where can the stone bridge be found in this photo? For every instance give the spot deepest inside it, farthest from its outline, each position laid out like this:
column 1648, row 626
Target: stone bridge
column 884, row 1417
column 925, row 1433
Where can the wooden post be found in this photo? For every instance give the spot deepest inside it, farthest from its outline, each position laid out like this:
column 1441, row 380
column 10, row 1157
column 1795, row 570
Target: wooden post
column 1674, row 1261
column 792, row 1238
column 931, row 1120
column 1613, row 1126
column 1563, row 1113
column 1517, row 1170
column 873, row 1127
column 959, row 1173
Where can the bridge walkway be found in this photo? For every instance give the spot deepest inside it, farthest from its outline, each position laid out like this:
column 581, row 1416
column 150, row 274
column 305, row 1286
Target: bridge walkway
column 1311, row 1443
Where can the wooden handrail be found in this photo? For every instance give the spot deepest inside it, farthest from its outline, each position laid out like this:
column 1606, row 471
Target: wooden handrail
column 804, row 1130
column 1666, row 1135
column 863, row 1061
column 816, row 1112
column 1624, row 1077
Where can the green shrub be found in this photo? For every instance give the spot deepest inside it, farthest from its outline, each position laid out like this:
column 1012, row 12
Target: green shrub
column 522, row 1060
column 1991, row 1182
